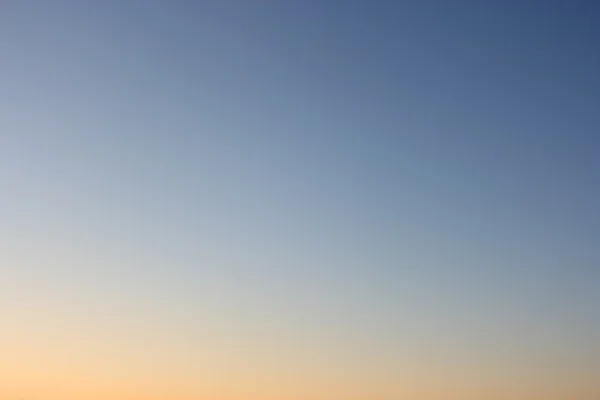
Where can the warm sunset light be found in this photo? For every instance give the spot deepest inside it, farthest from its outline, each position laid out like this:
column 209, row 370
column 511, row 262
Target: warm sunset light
column 299, row 200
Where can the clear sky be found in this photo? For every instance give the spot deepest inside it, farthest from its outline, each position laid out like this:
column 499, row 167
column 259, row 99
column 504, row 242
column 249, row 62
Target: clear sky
column 307, row 200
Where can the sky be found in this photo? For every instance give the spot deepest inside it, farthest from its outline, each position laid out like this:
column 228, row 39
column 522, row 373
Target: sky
column 299, row 200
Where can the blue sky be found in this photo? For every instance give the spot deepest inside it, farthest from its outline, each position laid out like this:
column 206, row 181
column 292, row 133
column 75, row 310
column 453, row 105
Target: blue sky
column 382, row 176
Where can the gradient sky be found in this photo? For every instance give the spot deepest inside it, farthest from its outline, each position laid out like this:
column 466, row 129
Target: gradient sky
column 316, row 200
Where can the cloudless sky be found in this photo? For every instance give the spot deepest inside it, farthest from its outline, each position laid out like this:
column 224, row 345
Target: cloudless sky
column 299, row 199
